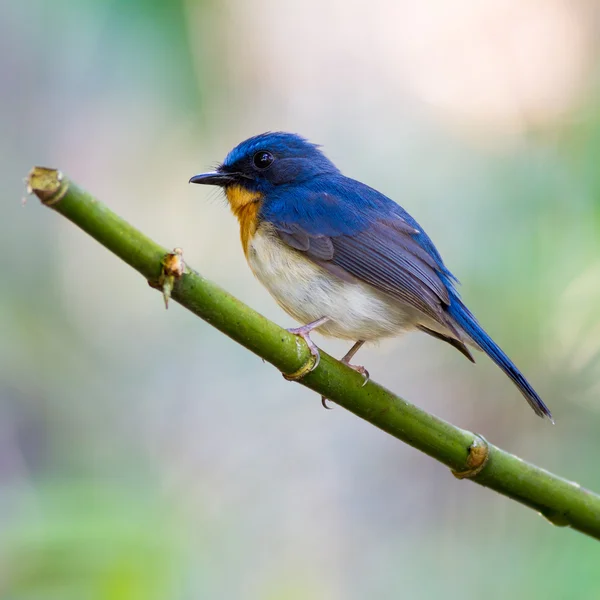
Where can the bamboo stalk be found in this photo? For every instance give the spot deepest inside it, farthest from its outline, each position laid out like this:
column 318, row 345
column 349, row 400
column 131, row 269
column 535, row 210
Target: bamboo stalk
column 469, row 456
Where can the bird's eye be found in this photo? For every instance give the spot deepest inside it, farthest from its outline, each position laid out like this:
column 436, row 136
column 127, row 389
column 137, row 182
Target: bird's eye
column 262, row 159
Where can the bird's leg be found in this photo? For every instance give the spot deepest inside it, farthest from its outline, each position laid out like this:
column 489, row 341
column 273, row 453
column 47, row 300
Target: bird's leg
column 346, row 360
column 304, row 332
column 350, row 355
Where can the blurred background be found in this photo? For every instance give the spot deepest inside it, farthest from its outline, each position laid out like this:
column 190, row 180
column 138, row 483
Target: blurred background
column 143, row 455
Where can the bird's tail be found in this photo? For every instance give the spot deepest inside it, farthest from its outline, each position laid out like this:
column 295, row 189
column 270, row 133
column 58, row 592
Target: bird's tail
column 467, row 322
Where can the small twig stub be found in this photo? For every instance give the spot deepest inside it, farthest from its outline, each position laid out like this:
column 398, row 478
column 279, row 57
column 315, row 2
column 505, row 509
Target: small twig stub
column 173, row 267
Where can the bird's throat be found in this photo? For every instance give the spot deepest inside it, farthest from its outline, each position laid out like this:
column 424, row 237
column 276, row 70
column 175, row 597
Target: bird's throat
column 244, row 205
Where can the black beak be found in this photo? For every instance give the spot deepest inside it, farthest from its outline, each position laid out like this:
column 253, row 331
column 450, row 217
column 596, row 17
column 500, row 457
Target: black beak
column 213, row 178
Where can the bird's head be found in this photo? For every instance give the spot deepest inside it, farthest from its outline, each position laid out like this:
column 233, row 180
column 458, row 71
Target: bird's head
column 260, row 164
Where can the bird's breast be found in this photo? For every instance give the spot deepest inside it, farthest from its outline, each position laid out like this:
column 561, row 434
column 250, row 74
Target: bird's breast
column 245, row 205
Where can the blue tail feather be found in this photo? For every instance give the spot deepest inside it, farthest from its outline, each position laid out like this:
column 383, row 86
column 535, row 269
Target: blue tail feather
column 467, row 322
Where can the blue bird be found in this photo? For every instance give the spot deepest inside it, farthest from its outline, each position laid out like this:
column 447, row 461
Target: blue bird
column 341, row 257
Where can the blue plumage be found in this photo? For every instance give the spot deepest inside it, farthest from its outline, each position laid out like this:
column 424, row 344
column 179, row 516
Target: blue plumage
column 336, row 252
column 467, row 322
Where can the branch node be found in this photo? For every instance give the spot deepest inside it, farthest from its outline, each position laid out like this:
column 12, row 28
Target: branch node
column 479, row 453
column 305, row 369
column 49, row 185
column 173, row 267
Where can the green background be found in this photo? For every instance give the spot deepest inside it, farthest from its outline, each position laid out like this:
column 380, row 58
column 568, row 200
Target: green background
column 142, row 454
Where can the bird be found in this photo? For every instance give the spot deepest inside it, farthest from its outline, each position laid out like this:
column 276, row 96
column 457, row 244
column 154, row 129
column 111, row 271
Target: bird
column 342, row 258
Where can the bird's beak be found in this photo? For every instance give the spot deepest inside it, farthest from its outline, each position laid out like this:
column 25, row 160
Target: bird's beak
column 213, row 178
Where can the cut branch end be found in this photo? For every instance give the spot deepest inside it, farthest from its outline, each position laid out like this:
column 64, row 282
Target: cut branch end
column 49, row 185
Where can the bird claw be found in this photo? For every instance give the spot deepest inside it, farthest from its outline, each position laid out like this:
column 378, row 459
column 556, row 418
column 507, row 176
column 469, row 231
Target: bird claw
column 358, row 369
column 362, row 371
column 304, row 333
column 324, row 403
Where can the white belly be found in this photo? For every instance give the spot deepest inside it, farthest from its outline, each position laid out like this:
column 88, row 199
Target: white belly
column 307, row 292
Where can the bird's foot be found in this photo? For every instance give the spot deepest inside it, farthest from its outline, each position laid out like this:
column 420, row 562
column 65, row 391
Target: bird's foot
column 304, row 332
column 356, row 368
column 360, row 370
column 346, row 360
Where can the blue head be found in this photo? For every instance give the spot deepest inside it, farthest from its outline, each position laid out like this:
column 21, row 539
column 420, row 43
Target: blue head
column 265, row 161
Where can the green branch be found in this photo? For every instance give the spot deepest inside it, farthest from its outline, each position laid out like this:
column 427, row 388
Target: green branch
column 469, row 456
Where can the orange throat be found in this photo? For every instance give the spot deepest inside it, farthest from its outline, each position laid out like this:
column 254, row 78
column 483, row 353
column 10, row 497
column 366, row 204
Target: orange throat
column 244, row 205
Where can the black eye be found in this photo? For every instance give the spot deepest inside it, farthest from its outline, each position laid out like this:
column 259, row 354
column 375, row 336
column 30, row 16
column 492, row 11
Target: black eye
column 262, row 159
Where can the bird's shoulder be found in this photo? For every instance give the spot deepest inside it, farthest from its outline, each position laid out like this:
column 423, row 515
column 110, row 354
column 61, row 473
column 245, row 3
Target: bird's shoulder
column 326, row 205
